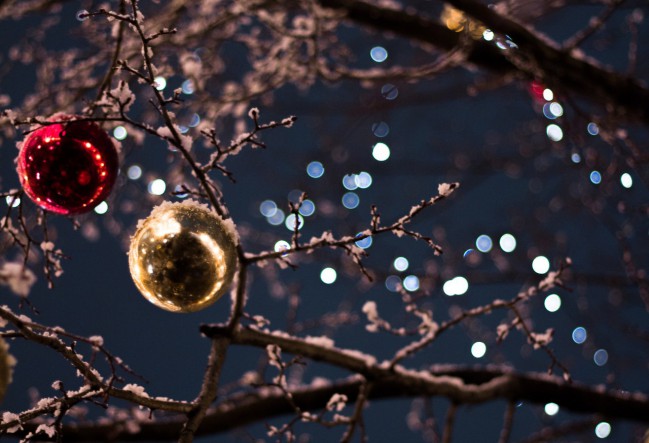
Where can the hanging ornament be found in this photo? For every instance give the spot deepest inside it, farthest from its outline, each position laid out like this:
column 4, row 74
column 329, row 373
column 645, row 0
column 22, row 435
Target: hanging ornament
column 182, row 257
column 7, row 362
column 68, row 167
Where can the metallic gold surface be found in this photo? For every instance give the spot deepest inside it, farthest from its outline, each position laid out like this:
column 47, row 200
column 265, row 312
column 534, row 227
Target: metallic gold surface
column 182, row 257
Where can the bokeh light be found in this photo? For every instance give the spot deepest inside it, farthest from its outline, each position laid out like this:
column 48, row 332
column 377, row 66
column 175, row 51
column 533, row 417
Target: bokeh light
column 478, row 349
column 603, row 429
column 315, row 169
column 554, row 132
column 552, row 303
column 507, row 243
column 134, row 172
column 157, row 187
column 328, row 275
column 456, row 286
column 579, row 335
column 381, row 152
column 401, row 264
column 411, row 283
column 600, row 357
column 484, row 243
column 595, row 177
column 351, row 200
column 392, row 283
column 379, row 54
column 268, row 208
column 626, row 180
column 389, row 91
column 363, row 243
column 541, row 264
column 308, row 208
column 551, row 409
column 120, row 132
column 101, row 208
column 291, row 220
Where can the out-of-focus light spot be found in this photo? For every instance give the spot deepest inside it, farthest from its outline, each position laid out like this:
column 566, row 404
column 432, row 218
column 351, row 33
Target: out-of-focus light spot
column 626, row 180
column 328, row 275
column 389, row 91
column 160, row 83
column 268, row 208
column 507, row 243
column 363, row 243
column 392, row 283
column 484, row 243
column 101, row 208
column 576, row 158
column 456, row 286
column 552, row 303
column 595, row 177
column 188, row 87
column 603, row 430
column 379, row 54
column 488, row 35
column 349, row 182
column 179, row 192
column 183, row 129
column 541, row 264
column 308, row 208
column 120, row 132
column 277, row 218
column 157, row 187
column 194, row 121
column 12, row 201
column 350, row 200
column 381, row 152
column 315, row 170
column 478, row 349
column 467, row 253
column 291, row 220
column 556, row 109
column 551, row 409
column 82, row 15
column 579, row 335
column 548, row 95
column 380, row 129
column 411, row 283
column 282, row 245
column 547, row 113
column 554, row 132
column 363, row 180
column 401, row 264
column 600, row 357
column 592, row 128
column 134, row 172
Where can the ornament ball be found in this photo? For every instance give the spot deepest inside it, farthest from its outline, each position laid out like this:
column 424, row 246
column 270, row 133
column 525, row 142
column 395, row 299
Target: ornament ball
column 68, row 167
column 182, row 257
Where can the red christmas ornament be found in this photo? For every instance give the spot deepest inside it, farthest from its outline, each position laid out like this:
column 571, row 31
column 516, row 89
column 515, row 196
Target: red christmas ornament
column 68, row 167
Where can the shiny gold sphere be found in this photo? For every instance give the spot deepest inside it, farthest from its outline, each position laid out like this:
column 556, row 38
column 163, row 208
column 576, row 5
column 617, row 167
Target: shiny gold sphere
column 183, row 257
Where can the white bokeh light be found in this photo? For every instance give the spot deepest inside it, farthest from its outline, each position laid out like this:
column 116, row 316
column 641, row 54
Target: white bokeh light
column 626, row 180
column 551, row 408
column 541, row 264
column 157, row 187
column 478, row 349
column 507, row 243
column 554, row 132
column 101, row 208
column 552, row 303
column 328, row 275
column 381, row 152
column 603, row 429
column 456, row 286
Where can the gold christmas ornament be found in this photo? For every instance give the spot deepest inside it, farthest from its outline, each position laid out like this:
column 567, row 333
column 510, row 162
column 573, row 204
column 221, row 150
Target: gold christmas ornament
column 7, row 362
column 183, row 256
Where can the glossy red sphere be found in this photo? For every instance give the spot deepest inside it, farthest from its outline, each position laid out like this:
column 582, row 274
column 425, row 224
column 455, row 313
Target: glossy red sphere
column 68, row 168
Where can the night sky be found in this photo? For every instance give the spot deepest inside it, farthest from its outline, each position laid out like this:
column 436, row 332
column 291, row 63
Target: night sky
column 556, row 198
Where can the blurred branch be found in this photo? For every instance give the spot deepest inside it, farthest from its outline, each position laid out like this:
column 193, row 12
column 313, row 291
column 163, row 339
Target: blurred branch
column 540, row 58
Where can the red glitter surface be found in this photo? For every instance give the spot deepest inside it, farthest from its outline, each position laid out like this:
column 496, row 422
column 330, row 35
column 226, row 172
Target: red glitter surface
column 68, row 168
